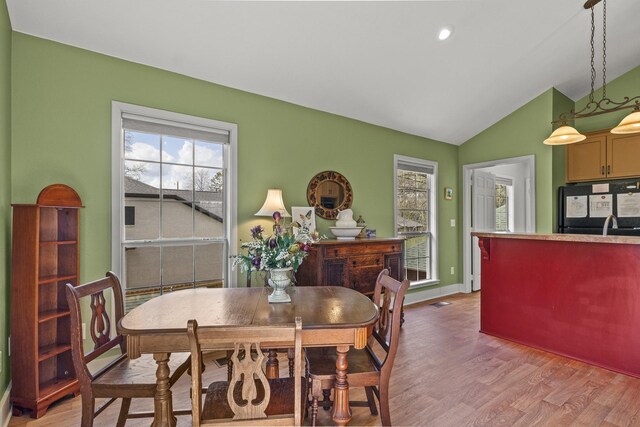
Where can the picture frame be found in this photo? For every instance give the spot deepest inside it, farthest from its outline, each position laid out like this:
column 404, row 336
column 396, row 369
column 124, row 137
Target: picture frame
column 448, row 193
column 303, row 219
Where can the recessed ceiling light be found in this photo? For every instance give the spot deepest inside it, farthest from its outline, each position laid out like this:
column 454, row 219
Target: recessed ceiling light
column 445, row 33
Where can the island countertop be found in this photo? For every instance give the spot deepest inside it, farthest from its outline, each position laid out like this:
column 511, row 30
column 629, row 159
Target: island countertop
column 585, row 238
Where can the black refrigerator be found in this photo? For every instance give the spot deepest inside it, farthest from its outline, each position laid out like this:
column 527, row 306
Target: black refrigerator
column 583, row 208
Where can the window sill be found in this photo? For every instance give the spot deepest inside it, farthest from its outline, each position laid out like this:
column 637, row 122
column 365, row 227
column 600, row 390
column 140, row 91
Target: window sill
column 424, row 283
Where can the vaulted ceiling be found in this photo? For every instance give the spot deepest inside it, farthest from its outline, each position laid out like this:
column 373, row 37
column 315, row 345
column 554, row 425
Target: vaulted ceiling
column 379, row 62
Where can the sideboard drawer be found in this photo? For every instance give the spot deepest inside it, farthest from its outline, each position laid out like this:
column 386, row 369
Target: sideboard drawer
column 349, row 250
column 367, row 261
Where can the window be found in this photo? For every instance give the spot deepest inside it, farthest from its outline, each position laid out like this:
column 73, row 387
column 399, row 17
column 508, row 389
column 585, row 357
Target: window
column 129, row 215
column 173, row 203
column 504, row 204
column 415, row 217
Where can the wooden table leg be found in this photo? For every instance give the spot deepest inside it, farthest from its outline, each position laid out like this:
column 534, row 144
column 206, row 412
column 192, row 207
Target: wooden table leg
column 341, row 409
column 162, row 403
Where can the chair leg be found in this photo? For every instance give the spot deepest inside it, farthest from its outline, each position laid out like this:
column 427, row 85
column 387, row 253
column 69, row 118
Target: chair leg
column 314, row 410
column 371, row 400
column 88, row 406
column 326, row 399
column 385, row 415
column 124, row 411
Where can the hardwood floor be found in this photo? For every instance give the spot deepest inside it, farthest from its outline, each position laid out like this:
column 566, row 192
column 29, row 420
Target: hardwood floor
column 449, row 374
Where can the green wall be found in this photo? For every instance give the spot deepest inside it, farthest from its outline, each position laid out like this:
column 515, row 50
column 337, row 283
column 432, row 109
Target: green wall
column 519, row 134
column 5, row 188
column 61, row 120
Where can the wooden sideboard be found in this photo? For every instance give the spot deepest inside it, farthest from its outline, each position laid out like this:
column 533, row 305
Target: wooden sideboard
column 352, row 264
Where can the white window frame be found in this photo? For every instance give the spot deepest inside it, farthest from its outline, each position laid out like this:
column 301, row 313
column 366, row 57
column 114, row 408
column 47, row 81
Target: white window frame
column 433, row 220
column 117, row 183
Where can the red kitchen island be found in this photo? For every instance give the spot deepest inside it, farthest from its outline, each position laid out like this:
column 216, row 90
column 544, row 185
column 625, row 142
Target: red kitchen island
column 573, row 295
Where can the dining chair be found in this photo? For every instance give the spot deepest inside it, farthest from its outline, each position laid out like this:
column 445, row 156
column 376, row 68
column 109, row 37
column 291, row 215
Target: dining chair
column 249, row 398
column 366, row 369
column 122, row 378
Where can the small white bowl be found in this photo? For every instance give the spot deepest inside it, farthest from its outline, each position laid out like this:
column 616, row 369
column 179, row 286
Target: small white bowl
column 345, row 233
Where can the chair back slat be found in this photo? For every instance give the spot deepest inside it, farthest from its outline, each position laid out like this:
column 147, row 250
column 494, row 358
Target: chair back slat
column 247, row 368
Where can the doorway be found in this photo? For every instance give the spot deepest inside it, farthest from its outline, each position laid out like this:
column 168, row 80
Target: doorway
column 502, row 198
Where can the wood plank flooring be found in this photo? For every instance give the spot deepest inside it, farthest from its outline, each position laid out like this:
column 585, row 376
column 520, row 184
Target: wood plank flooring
column 449, row 374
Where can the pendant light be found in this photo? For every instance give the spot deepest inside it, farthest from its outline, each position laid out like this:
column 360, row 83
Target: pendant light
column 631, row 124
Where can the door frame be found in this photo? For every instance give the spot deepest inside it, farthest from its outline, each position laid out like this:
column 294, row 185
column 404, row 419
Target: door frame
column 530, row 209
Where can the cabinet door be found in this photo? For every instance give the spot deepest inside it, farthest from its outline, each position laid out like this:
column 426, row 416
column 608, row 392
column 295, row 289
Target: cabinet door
column 335, row 271
column 586, row 159
column 623, row 156
column 393, row 262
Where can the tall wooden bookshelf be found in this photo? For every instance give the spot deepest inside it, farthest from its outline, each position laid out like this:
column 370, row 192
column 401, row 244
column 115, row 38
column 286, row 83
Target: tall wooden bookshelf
column 45, row 256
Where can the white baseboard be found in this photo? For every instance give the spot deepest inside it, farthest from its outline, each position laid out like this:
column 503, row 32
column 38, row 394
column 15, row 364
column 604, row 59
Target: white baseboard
column 426, row 294
column 5, row 407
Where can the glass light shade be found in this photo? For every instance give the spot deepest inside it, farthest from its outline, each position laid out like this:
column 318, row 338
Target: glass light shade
column 564, row 135
column 273, row 203
column 630, row 124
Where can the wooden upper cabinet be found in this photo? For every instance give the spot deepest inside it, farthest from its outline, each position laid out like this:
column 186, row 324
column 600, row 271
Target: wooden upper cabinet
column 603, row 155
column 623, row 153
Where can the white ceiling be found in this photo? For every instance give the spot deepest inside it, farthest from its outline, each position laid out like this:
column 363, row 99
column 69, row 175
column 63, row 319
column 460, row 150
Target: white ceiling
column 379, row 62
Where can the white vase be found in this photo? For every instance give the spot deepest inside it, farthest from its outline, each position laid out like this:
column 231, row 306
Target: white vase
column 279, row 279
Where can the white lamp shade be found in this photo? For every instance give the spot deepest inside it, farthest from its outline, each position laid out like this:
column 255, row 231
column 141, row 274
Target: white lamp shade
column 564, row 135
column 630, row 124
column 272, row 204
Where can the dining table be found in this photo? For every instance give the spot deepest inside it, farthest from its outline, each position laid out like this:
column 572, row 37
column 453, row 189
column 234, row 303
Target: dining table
column 331, row 316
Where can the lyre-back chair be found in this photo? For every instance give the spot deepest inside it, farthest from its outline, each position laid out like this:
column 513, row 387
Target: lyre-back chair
column 123, row 377
column 249, row 398
column 366, row 368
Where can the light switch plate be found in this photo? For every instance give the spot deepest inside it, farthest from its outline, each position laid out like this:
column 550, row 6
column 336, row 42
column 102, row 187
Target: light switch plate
column 453, row 270
column 453, row 222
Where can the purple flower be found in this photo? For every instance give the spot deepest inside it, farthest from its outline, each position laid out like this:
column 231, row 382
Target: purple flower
column 256, row 231
column 277, row 216
column 306, row 247
column 273, row 243
column 256, row 262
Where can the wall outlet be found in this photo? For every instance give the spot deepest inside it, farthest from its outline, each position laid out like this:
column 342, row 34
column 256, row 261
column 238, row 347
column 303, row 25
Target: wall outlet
column 84, row 331
column 453, row 271
column 453, row 222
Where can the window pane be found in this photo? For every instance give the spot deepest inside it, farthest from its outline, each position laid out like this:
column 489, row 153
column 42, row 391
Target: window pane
column 142, row 267
column 209, row 154
column 209, row 266
column 141, row 146
column 502, row 208
column 208, row 220
column 177, row 219
column 147, row 218
column 177, row 265
column 177, row 150
column 177, row 181
column 141, row 177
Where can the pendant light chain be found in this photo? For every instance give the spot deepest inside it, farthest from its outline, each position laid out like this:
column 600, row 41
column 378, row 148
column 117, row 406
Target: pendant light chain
column 604, row 49
column 593, row 53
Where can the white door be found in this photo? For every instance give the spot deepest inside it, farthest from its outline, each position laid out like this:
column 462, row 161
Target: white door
column 483, row 218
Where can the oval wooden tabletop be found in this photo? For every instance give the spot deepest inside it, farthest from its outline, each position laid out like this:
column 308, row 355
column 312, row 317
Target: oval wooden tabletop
column 319, row 307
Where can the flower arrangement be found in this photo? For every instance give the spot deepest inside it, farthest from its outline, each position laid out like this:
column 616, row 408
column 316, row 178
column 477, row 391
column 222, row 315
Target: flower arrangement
column 282, row 250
